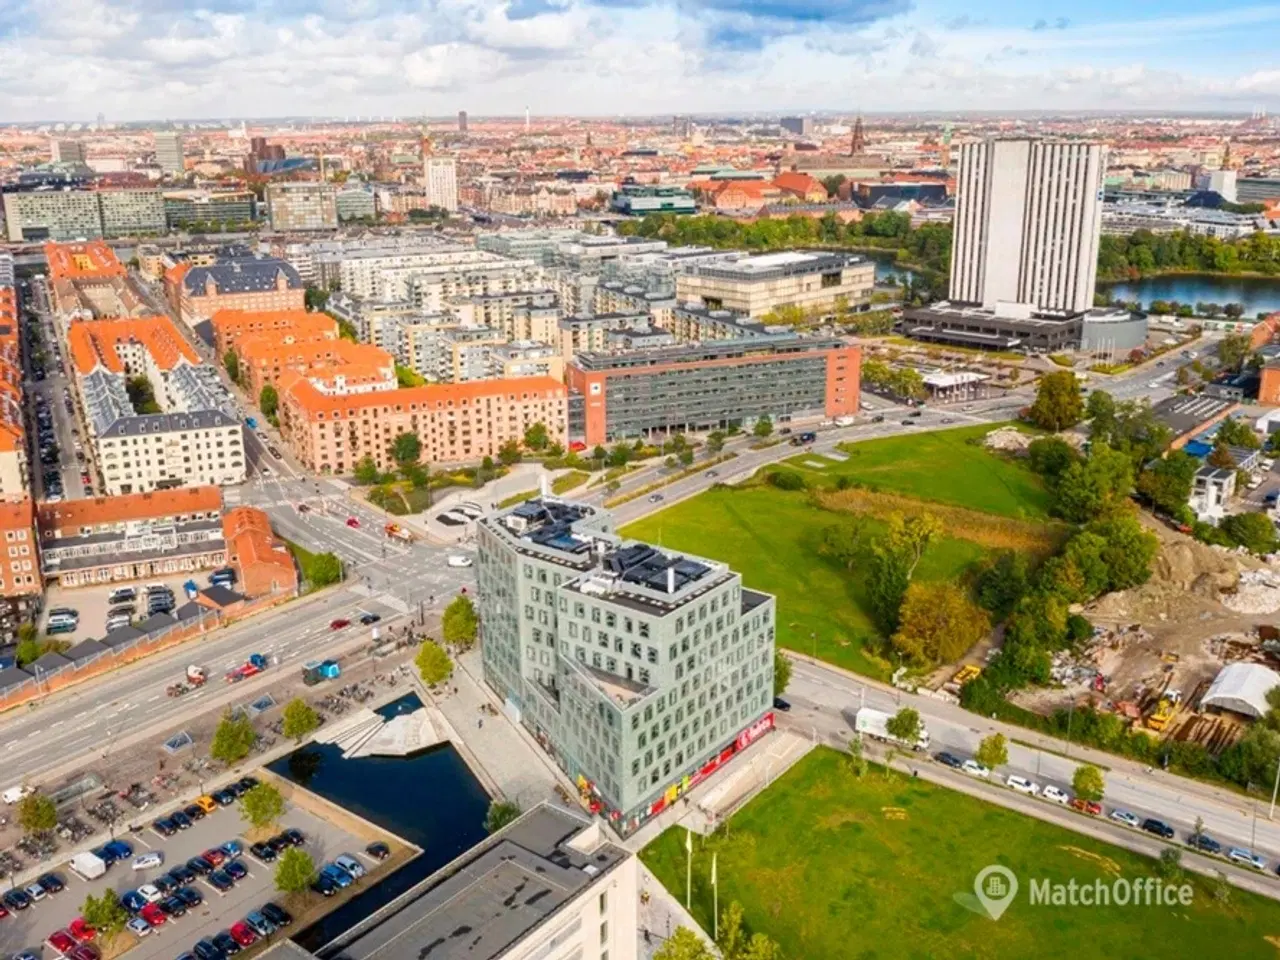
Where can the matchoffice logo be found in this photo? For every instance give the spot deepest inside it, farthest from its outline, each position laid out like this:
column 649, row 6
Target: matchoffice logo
column 995, row 888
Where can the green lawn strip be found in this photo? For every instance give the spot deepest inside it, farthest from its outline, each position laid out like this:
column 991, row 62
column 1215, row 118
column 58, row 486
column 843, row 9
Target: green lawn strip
column 515, row 498
column 832, row 866
column 305, row 559
column 569, row 481
column 771, row 537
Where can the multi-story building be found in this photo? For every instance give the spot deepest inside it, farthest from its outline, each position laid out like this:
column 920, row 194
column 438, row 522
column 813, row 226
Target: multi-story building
column 589, row 334
column 1027, row 223
column 169, row 152
column 692, row 324
column 52, row 214
column 532, row 201
column 800, row 126
column 230, row 326
column 454, row 354
column 262, row 561
column 760, row 284
column 431, row 279
column 638, row 200
column 1257, row 189
column 334, row 366
column 183, row 209
column 68, row 151
column 615, row 296
column 234, row 282
column 355, row 202
column 21, row 580
column 462, row 122
column 454, row 422
column 14, row 471
column 520, row 315
column 132, row 213
column 88, row 282
column 440, row 179
column 706, row 386
column 196, row 439
column 639, row 670
column 302, row 205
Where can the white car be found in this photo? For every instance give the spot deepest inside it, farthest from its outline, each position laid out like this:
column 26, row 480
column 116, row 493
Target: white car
column 1023, row 785
column 146, row 861
column 138, row 927
column 1056, row 795
column 150, row 893
column 458, row 560
column 1127, row 818
column 974, row 769
column 1238, row 855
column 36, row 892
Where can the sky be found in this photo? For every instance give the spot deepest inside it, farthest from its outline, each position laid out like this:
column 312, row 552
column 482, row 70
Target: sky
column 182, row 59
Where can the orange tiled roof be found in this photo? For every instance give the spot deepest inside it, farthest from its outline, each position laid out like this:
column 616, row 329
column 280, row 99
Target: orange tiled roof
column 71, row 515
column 250, row 540
column 432, row 396
column 17, row 515
column 801, row 183
column 232, row 322
column 71, row 261
column 94, row 342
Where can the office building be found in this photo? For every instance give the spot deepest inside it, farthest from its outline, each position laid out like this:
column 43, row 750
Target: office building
column 760, row 284
column 68, row 151
column 169, row 152
column 1257, row 189
column 302, row 205
column 800, row 126
column 1027, row 222
column 54, row 214
column 208, row 209
column 708, row 386
column 355, row 202
column 440, row 179
column 455, row 422
column 132, row 213
column 462, row 122
column 637, row 200
column 550, row 886
column 639, row 670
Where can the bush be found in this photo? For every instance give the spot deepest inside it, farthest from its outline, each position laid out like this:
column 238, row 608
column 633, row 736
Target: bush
column 787, row 480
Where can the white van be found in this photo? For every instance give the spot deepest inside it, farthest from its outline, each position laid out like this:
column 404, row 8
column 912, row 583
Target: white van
column 14, row 794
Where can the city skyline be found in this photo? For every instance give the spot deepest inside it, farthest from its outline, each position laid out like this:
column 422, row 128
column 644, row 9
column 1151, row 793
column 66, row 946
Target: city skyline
column 69, row 59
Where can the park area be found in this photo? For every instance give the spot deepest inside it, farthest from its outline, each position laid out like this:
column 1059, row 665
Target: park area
column 832, row 865
column 773, row 537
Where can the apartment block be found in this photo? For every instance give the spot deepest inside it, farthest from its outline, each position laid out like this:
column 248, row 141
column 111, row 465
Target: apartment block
column 132, row 213
column 455, row 422
column 430, row 279
column 440, row 180
column 231, row 326
column 707, row 386
column 15, row 477
column 21, row 579
column 377, row 322
column 334, row 366
column 760, row 284
column 88, row 282
column 234, row 282
column 639, row 670
column 169, row 152
column 302, row 205
column 591, row 334
column 520, row 315
column 63, row 214
column 616, row 296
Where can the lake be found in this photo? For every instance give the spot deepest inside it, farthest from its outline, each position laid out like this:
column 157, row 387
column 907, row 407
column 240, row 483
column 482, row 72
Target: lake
column 1256, row 294
column 431, row 799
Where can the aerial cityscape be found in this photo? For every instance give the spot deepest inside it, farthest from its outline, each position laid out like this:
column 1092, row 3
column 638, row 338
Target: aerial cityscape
column 603, row 481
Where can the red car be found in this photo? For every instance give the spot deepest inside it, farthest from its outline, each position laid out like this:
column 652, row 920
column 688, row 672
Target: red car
column 3, row 912
column 214, row 857
column 81, row 930
column 1087, row 806
column 153, row 915
column 243, row 934
column 352, row 522
column 339, row 624
column 84, row 951
column 61, row 941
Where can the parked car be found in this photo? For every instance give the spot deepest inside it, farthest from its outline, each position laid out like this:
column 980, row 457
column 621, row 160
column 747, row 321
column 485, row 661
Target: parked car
column 190, row 896
column 61, row 942
column 154, row 915
column 235, row 870
column 1242, row 856
column 147, row 861
column 16, row 900
column 82, row 931
column 782, row 705
column 133, row 901
column 243, row 934
column 181, row 819
column 1125, row 817
column 150, row 893
column 232, row 848
column 353, row 523
column 1056, row 795
column 277, row 914
column 226, row 943
column 1204, row 843
column 199, row 866
column 205, row 950
column 379, row 850
column 195, row 812
column 294, row 837
column 52, row 883
column 166, row 884
column 458, row 560
column 949, row 760
column 1023, row 785
column 1091, row 807
column 351, row 865
column 35, row 892
column 1158, row 827
column 260, row 924
column 173, row 907
column 214, row 857
column 84, row 951
column 974, row 769
column 337, row 875
column 183, row 874
column 220, row 881
column 324, row 886
column 263, row 853
column 138, row 927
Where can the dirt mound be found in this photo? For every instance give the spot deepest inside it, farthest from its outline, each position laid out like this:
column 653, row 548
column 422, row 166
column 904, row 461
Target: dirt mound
column 1187, row 579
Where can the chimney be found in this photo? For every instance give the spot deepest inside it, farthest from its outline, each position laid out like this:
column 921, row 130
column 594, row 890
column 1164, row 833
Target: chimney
column 671, row 579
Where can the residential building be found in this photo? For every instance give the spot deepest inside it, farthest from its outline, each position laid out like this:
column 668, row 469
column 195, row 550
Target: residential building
column 532, row 201
column 21, row 579
column 713, row 385
column 264, row 566
column 234, row 282
column 454, row 354
column 520, row 315
column 579, row 897
column 169, row 152
column 637, row 200
column 639, row 670
column 231, row 326
column 333, row 365
column 433, row 276
column 355, row 202
column 760, row 284
column 14, row 470
column 455, row 422
column 800, row 126
column 589, row 334
column 132, row 536
column 615, row 296
column 88, row 282
column 185, row 209
column 1269, row 387
column 440, row 179
column 689, row 323
column 302, row 205
column 196, row 439
column 1027, row 223
column 319, row 260
column 375, row 321
column 1211, row 490
column 68, row 151
column 1127, row 216
column 800, row 188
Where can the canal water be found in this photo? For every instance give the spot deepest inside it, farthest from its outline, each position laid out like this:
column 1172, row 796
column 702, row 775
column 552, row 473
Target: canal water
column 431, row 799
column 1255, row 294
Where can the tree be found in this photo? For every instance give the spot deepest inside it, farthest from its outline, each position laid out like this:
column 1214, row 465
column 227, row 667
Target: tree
column 905, row 725
column 141, row 394
column 599, row 454
column 29, row 650
column 460, row 622
column 761, row 947
column 325, row 568
column 105, row 913
column 268, row 401
column 1237, row 433
column 1233, row 349
column 715, row 441
column 857, row 763
column 1253, row 531
column 298, row 719
column 844, row 542
column 416, row 475
column 295, row 870
column 406, row 448
column 1003, row 583
column 233, row 739
column 621, row 455
column 781, row 673
column 684, row 944
column 1094, row 487
column 536, row 436
column 509, row 453
column 763, row 427
column 316, row 298
column 1220, row 456
column 1050, row 457
column 1057, row 405
column 366, row 472
column 1100, row 411
column 1170, row 865
column 434, row 665
column 262, row 806
column 231, row 361
column 685, row 456
column 501, row 813
column 733, row 938
column 993, row 751
column 938, row 623
column 37, row 813
column 1167, row 483
column 1088, row 783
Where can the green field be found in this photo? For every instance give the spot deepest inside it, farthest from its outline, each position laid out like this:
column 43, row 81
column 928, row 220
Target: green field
column 945, row 466
column 771, row 537
column 834, row 867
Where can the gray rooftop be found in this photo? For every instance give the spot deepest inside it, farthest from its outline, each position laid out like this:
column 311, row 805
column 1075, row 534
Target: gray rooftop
column 141, row 424
column 478, row 907
column 241, row 276
column 775, row 344
column 1185, row 414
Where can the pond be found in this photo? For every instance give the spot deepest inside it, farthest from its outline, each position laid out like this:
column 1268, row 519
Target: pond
column 431, row 799
column 1255, row 294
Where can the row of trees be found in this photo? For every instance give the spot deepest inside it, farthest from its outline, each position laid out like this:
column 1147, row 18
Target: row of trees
column 735, row 941
column 1143, row 252
column 906, row 383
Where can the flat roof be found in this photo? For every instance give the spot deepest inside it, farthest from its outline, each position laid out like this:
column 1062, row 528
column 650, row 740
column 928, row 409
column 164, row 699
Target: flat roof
column 1184, row 414
column 478, row 907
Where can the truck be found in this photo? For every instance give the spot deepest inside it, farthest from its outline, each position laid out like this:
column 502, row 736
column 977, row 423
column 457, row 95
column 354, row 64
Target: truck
column 254, row 665
column 398, row 532
column 318, row 671
column 88, row 866
column 195, row 678
column 875, row 724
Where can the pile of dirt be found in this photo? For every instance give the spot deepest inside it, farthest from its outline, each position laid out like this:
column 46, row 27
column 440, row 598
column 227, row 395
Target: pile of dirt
column 1008, row 440
column 1187, row 578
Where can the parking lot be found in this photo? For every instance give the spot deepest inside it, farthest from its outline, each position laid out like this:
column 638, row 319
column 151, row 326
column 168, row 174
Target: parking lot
column 91, row 602
column 28, row 929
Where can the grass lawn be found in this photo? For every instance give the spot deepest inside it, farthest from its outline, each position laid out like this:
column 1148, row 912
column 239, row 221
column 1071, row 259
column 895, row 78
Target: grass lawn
column 306, row 561
column 569, row 481
column 946, row 466
column 835, row 867
column 771, row 537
